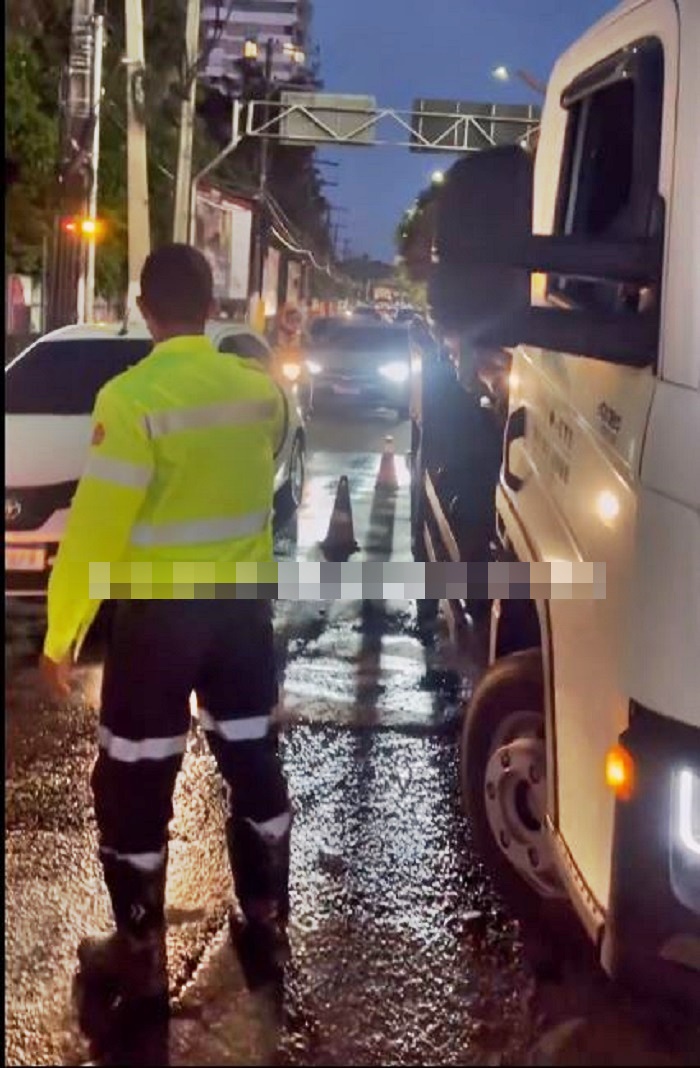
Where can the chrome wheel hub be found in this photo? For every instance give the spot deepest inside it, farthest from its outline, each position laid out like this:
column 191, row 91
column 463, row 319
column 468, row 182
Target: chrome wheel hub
column 515, row 791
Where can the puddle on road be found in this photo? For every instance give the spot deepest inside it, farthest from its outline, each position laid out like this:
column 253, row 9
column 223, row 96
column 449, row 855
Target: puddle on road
column 364, row 662
column 388, row 962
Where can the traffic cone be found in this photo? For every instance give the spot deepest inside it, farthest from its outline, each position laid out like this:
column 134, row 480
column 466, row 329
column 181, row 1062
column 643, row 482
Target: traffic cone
column 386, row 478
column 340, row 542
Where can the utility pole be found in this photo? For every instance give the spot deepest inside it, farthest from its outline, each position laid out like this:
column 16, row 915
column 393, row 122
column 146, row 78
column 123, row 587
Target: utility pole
column 187, row 116
column 257, row 301
column 139, row 226
column 66, row 276
column 95, row 104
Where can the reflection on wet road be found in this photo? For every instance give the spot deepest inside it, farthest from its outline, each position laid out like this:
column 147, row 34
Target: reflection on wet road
column 403, row 953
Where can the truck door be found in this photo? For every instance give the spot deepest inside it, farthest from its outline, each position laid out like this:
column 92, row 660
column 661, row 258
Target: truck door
column 603, row 168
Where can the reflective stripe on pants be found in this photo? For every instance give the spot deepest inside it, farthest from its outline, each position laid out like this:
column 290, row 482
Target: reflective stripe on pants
column 159, row 652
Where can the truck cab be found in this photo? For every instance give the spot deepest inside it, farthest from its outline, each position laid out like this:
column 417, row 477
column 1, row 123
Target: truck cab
column 581, row 746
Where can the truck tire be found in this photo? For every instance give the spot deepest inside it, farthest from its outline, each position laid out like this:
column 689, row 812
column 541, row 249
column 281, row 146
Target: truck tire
column 503, row 788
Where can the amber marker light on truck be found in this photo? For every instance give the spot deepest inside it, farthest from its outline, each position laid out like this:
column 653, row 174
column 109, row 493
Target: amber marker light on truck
column 619, row 772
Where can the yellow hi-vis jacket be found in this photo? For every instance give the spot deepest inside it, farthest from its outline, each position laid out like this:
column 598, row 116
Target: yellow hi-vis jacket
column 181, row 468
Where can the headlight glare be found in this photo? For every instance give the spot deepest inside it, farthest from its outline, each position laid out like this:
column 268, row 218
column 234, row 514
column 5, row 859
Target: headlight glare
column 396, row 371
column 688, row 810
column 291, row 371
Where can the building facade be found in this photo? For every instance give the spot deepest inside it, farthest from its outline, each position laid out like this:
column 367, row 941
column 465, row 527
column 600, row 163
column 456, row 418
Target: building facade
column 285, row 22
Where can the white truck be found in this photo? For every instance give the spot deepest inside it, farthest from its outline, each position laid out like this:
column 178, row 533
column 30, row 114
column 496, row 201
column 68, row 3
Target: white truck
column 580, row 753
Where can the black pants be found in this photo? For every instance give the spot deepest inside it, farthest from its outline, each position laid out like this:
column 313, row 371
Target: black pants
column 159, row 653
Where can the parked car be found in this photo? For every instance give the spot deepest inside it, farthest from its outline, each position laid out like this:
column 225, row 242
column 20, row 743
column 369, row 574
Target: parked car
column 366, row 363
column 50, row 390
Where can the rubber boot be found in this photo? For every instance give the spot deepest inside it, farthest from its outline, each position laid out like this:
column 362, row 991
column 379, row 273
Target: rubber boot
column 260, row 868
column 130, row 967
column 132, row 961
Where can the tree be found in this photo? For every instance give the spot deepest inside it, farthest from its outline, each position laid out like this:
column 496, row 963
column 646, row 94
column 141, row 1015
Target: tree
column 31, row 140
column 415, row 233
column 413, row 292
column 37, row 52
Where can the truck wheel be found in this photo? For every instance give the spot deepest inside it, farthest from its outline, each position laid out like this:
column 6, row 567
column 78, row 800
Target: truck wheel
column 503, row 769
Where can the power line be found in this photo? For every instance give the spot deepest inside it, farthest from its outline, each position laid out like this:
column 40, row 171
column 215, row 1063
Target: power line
column 286, row 221
column 281, row 221
column 296, row 248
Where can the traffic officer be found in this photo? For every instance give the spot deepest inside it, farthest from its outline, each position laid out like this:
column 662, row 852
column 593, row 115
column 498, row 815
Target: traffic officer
column 180, row 469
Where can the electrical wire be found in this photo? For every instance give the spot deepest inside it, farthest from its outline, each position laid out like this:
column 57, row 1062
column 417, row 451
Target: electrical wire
column 309, row 255
column 292, row 241
column 321, row 268
column 285, row 223
column 296, row 247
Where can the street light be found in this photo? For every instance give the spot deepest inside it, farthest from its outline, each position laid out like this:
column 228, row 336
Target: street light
column 437, row 177
column 250, row 49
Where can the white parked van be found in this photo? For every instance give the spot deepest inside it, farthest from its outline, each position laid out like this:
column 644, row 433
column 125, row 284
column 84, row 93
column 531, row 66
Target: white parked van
column 581, row 746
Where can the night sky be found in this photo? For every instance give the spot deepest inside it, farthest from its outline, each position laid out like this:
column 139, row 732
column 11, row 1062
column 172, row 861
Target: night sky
column 396, row 50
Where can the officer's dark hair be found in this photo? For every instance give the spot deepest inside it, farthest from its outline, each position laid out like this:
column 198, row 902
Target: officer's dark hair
column 177, row 284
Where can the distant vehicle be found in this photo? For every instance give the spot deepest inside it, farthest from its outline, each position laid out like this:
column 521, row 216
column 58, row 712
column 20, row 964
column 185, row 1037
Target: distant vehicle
column 368, row 364
column 320, row 326
column 50, row 390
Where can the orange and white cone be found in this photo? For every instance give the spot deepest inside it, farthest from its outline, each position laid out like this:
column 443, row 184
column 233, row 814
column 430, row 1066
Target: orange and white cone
column 340, row 541
column 386, row 478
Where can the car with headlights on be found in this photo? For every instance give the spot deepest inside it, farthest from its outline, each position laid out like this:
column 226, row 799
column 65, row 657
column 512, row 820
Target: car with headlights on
column 50, row 390
column 365, row 364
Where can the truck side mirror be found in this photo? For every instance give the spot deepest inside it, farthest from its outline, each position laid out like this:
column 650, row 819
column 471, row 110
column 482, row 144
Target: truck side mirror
column 485, row 252
column 485, row 203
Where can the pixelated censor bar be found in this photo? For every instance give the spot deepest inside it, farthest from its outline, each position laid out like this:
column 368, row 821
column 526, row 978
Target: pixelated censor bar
column 320, row 581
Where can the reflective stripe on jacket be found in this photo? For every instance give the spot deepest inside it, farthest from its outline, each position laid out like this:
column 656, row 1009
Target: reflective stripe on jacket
column 181, row 468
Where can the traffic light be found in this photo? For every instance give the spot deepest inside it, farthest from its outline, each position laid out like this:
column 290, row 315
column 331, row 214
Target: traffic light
column 84, row 227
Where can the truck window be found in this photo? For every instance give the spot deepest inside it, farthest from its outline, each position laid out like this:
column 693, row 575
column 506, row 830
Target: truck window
column 610, row 170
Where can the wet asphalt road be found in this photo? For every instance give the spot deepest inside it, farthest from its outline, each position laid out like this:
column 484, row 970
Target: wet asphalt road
column 402, row 951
